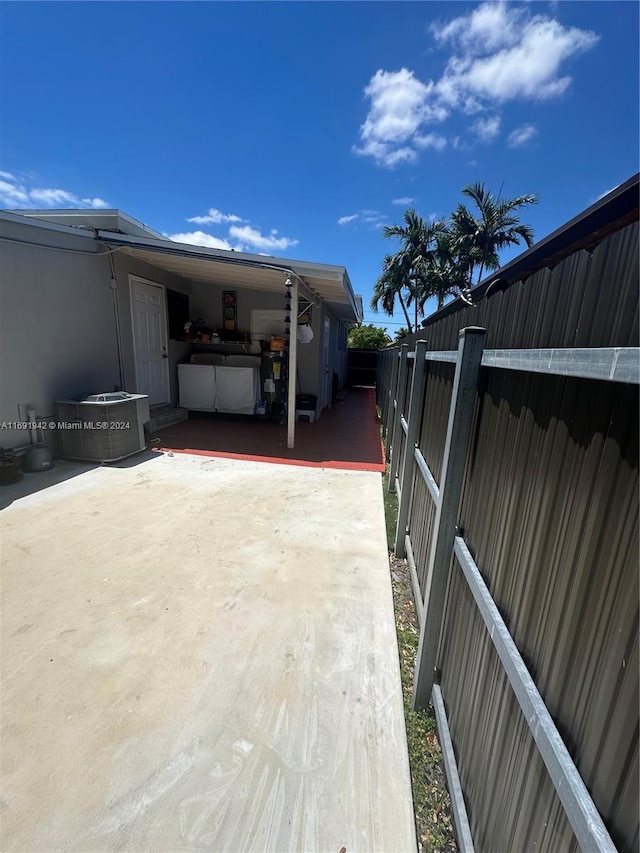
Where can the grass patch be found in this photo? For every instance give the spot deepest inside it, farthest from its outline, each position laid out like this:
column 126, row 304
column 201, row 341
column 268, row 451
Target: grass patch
column 390, row 500
column 431, row 803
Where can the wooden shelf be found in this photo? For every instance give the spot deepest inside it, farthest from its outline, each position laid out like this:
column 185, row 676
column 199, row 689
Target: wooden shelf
column 221, row 343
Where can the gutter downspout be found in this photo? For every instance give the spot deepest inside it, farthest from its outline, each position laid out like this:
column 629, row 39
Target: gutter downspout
column 116, row 313
column 293, row 367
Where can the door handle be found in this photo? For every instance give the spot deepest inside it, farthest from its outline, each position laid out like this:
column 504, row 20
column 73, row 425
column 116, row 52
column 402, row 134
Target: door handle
column 165, row 356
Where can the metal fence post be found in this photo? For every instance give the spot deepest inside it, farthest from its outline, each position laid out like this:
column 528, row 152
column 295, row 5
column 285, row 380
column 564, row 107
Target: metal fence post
column 406, row 465
column 393, row 392
column 395, row 425
column 470, row 347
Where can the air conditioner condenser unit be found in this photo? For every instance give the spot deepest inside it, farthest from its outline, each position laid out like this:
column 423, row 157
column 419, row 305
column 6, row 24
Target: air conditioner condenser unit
column 102, row 427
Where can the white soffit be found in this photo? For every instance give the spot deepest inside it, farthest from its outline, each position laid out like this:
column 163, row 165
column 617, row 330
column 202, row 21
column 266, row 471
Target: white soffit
column 239, row 270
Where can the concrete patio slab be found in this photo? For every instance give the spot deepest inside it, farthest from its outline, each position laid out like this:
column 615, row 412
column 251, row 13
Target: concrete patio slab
column 200, row 654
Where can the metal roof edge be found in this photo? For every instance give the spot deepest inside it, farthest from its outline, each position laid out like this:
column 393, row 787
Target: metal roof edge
column 620, row 202
column 20, row 219
column 41, row 213
column 152, row 232
column 353, row 298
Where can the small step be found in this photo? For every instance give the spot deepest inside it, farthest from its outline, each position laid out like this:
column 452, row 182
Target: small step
column 165, row 415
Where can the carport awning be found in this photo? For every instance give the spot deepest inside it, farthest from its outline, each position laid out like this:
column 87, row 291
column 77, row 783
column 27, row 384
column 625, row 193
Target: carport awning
column 324, row 282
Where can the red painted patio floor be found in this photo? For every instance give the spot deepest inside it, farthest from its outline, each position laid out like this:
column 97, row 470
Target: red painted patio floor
column 346, row 436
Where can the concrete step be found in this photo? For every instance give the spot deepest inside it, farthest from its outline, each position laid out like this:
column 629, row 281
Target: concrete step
column 163, row 416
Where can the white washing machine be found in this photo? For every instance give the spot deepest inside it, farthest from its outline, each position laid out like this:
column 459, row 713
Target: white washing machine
column 197, row 385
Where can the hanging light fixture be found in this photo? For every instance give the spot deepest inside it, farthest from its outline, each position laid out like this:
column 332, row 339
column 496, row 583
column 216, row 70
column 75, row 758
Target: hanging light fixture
column 304, row 334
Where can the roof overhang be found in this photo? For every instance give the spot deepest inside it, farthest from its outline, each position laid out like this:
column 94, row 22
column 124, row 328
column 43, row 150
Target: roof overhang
column 322, row 282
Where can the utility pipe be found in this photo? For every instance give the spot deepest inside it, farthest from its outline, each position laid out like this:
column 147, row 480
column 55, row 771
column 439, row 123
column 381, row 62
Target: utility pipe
column 37, row 440
column 293, row 366
column 113, row 284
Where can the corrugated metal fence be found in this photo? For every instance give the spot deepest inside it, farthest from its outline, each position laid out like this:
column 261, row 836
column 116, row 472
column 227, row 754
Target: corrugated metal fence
column 543, row 487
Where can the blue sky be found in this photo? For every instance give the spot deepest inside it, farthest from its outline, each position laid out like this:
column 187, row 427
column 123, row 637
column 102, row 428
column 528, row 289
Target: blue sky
column 300, row 129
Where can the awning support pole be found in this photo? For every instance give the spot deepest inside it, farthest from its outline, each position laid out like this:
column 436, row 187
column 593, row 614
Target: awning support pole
column 293, row 366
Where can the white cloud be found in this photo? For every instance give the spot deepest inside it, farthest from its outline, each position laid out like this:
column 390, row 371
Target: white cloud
column 499, row 53
column 240, row 238
column 461, row 144
column 490, row 25
column 61, row 198
column 14, row 194
column 521, row 135
column 255, row 238
column 405, row 199
column 95, row 202
column 53, row 198
column 400, row 104
column 487, row 129
column 200, row 238
column 429, row 140
column 214, row 216
column 371, row 220
column 529, row 70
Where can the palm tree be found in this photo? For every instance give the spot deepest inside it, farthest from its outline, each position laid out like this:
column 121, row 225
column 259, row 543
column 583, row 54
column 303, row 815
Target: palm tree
column 445, row 275
column 389, row 286
column 400, row 333
column 477, row 240
column 418, row 244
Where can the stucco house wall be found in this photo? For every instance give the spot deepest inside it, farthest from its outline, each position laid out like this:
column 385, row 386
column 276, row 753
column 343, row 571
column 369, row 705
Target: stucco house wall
column 57, row 322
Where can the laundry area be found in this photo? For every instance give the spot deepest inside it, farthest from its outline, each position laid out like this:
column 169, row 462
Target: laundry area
column 258, row 337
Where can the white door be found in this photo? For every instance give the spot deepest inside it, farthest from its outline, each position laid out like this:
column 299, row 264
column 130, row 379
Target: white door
column 325, row 380
column 150, row 340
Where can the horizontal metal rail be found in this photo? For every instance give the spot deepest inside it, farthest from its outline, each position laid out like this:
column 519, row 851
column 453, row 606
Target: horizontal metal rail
column 458, row 808
column 581, row 812
column 434, row 491
column 404, row 424
column 611, row 364
column 442, row 355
